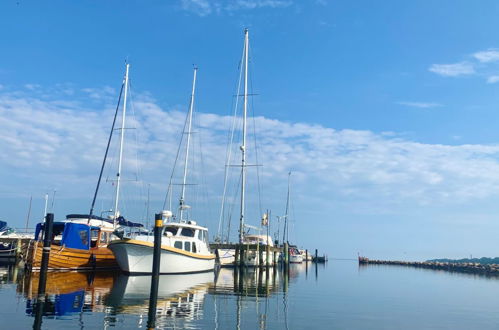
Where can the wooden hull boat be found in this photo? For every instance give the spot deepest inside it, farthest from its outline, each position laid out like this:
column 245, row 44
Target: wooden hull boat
column 63, row 258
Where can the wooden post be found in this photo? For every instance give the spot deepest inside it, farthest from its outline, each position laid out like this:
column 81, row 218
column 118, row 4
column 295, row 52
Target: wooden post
column 306, row 255
column 261, row 262
column 267, row 256
column 275, row 258
column 316, row 256
column 286, row 254
column 236, row 256
column 47, row 241
column 153, row 297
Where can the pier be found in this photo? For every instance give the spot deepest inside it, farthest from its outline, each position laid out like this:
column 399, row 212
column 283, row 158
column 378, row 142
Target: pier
column 470, row 268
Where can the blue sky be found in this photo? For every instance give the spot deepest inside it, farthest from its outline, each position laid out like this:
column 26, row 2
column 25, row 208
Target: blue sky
column 386, row 112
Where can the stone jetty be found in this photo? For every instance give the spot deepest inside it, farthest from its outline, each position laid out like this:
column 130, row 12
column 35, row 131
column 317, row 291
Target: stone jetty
column 471, row 268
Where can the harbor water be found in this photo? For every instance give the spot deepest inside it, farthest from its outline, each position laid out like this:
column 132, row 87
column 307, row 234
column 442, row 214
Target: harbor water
column 337, row 295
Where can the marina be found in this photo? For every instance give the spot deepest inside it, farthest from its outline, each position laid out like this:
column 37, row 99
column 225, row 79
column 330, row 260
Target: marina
column 249, row 164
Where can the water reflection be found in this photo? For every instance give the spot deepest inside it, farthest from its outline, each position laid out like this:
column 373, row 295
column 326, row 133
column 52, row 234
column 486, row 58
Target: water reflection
column 220, row 299
column 67, row 292
column 179, row 296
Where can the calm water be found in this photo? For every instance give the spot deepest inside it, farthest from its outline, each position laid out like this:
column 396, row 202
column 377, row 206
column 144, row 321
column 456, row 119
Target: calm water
column 338, row 295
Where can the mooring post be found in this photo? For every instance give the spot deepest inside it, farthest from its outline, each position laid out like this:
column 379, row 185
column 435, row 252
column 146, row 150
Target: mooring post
column 275, row 258
column 236, row 256
column 306, row 255
column 267, row 256
column 316, row 256
column 42, row 282
column 153, row 296
column 286, row 254
column 47, row 240
column 261, row 262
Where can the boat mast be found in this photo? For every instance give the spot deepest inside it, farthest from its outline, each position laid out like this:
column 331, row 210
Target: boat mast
column 285, row 236
column 243, row 146
column 120, row 159
column 189, row 126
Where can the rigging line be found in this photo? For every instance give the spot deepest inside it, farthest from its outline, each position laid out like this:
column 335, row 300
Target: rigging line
column 233, row 205
column 230, row 141
column 256, row 146
column 105, row 154
column 169, row 191
column 137, row 139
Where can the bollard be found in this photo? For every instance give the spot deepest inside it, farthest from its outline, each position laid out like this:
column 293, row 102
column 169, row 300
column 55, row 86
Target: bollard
column 153, row 297
column 306, row 255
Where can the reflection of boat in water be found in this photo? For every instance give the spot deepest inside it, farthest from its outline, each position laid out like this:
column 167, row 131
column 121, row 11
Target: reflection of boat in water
column 180, row 295
column 68, row 292
column 248, row 281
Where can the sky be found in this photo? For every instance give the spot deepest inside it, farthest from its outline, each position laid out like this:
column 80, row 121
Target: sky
column 386, row 114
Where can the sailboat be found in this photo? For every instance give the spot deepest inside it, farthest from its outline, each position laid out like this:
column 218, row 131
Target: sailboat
column 184, row 244
column 80, row 241
column 227, row 256
column 295, row 256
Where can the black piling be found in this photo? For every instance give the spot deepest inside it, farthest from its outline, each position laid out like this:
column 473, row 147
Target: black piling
column 153, row 296
column 47, row 240
column 42, row 282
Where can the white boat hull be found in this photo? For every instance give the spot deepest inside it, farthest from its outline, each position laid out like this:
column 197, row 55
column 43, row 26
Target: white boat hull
column 296, row 258
column 137, row 258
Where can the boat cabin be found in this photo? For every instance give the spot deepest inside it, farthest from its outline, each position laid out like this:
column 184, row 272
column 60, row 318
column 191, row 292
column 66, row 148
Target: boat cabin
column 75, row 235
column 187, row 236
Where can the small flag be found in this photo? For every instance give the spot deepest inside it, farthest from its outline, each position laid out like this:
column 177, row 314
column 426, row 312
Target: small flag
column 265, row 219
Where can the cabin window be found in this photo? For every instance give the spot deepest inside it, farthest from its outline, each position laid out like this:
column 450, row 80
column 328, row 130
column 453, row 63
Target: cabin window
column 172, row 230
column 94, row 236
column 83, row 236
column 188, row 232
column 200, row 235
column 205, row 236
column 194, row 247
column 178, row 244
column 187, row 246
column 103, row 237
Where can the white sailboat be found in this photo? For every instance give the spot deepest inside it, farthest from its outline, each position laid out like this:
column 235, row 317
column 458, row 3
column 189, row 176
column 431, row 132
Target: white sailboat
column 227, row 256
column 184, row 244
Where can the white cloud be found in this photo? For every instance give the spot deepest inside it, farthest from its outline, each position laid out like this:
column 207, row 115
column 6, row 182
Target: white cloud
column 492, row 79
column 207, row 7
column 199, row 7
column 49, row 143
column 487, row 56
column 453, row 70
column 423, row 105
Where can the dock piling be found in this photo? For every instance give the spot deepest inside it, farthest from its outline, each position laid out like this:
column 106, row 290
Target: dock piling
column 153, row 297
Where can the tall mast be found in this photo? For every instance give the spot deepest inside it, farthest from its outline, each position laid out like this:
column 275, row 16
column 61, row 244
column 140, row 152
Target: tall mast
column 120, row 159
column 243, row 146
column 189, row 126
column 285, row 237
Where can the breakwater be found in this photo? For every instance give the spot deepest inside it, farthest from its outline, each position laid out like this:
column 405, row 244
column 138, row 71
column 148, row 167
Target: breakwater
column 471, row 268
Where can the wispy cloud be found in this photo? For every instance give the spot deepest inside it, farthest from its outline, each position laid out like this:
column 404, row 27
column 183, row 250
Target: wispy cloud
column 453, row 70
column 423, row 105
column 54, row 142
column 486, row 56
column 207, row 7
column 492, row 79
